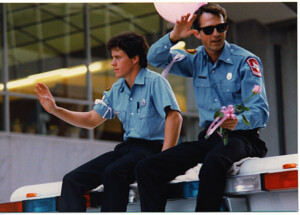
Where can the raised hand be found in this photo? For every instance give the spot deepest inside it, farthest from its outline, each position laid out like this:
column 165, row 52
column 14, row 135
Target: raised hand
column 45, row 97
column 182, row 28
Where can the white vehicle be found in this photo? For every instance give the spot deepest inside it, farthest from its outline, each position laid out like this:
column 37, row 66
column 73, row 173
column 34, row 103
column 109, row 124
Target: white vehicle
column 254, row 184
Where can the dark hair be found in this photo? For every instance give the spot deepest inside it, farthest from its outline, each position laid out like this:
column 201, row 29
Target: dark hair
column 132, row 44
column 215, row 9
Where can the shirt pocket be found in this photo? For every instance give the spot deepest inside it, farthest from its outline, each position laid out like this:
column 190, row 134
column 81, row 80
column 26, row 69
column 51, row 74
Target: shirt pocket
column 203, row 92
column 145, row 112
column 231, row 91
column 202, row 82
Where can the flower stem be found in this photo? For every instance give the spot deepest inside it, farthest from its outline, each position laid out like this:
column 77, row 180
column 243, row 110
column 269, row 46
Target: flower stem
column 247, row 99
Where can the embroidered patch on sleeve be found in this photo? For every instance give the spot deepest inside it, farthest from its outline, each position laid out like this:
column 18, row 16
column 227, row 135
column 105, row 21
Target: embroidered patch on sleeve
column 254, row 66
column 191, row 51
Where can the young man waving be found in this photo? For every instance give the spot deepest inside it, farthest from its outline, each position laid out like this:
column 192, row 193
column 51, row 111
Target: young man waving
column 145, row 104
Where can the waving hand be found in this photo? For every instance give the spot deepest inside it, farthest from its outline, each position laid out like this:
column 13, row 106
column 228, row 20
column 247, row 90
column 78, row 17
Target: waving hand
column 45, row 97
column 182, row 28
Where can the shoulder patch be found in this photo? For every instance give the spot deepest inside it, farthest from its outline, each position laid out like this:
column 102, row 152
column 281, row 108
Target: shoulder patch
column 254, row 66
column 191, row 51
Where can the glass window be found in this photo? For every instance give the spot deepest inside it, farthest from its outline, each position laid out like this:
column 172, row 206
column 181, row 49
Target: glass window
column 2, row 113
column 1, row 76
column 107, row 20
column 23, row 115
column 1, row 52
column 56, row 127
column 28, row 116
column 43, row 39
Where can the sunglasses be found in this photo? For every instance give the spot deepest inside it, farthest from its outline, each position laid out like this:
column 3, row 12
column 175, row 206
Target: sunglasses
column 210, row 29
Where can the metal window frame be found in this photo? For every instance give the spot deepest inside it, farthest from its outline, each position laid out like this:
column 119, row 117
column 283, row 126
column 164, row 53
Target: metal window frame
column 6, row 113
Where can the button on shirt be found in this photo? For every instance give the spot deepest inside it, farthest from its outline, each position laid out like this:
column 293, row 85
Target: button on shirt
column 228, row 81
column 141, row 109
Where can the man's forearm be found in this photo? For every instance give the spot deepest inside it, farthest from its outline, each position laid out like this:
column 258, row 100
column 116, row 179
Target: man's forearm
column 172, row 129
column 86, row 120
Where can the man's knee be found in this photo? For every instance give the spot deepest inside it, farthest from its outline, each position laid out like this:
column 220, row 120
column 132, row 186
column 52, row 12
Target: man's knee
column 113, row 173
column 214, row 157
column 216, row 162
column 142, row 168
column 68, row 178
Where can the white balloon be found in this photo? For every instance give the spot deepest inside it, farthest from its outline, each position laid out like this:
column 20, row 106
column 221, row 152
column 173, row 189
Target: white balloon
column 173, row 11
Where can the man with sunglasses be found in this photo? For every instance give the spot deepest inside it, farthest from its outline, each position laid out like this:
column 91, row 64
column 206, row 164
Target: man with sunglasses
column 223, row 74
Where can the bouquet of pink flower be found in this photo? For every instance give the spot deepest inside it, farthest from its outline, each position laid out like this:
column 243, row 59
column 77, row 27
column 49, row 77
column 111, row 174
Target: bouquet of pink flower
column 228, row 112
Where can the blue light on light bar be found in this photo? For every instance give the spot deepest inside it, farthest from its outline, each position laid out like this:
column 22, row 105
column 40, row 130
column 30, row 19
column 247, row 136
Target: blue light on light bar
column 40, row 205
column 190, row 189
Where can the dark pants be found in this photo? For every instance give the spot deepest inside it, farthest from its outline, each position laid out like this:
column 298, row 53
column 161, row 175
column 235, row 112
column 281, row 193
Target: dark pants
column 153, row 173
column 115, row 170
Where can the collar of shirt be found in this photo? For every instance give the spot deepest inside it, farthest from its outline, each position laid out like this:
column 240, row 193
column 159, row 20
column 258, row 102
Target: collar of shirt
column 139, row 80
column 225, row 55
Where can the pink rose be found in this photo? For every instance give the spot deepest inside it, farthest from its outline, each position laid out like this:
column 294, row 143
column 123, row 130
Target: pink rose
column 256, row 89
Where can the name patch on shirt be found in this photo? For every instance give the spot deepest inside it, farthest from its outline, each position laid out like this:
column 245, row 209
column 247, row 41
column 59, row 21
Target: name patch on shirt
column 254, row 66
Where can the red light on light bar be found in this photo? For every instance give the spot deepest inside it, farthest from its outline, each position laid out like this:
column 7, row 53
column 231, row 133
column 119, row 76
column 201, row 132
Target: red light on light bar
column 281, row 180
column 11, row 207
column 88, row 200
column 289, row 165
column 30, row 195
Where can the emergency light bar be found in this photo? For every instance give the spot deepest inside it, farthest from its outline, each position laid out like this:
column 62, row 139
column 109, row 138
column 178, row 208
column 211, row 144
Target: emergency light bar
column 256, row 176
column 41, row 205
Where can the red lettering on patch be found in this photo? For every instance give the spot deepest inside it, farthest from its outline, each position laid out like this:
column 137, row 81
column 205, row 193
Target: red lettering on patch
column 252, row 62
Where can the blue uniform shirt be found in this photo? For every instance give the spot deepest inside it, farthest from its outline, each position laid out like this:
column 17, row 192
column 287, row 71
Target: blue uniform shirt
column 228, row 82
column 141, row 109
